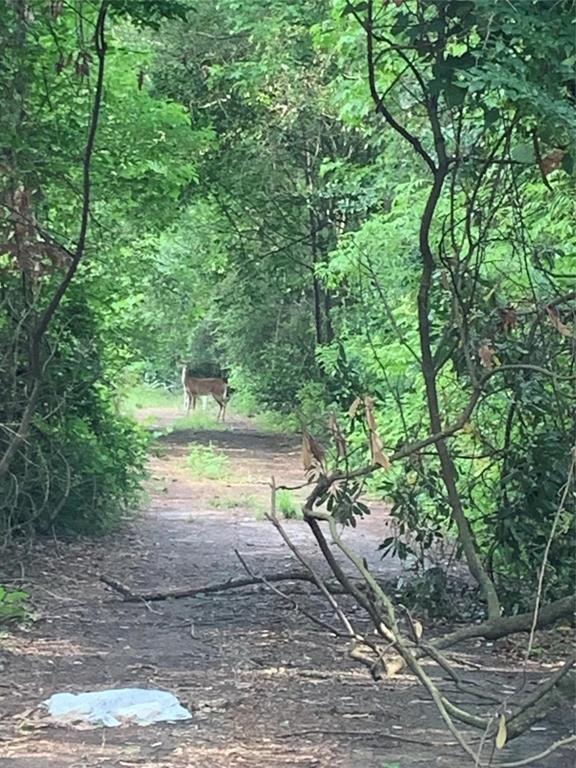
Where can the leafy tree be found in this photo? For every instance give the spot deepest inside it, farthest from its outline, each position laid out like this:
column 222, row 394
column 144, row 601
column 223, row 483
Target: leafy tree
column 87, row 158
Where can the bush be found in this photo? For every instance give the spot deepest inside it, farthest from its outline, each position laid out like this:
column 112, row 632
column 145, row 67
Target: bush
column 80, row 468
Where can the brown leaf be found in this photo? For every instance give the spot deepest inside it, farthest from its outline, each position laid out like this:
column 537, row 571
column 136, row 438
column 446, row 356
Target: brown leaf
column 509, row 319
column 551, row 161
column 313, row 454
column 339, row 439
column 486, row 355
column 416, row 629
column 307, row 458
column 376, row 446
column 557, row 323
column 369, row 406
column 354, row 407
column 377, row 451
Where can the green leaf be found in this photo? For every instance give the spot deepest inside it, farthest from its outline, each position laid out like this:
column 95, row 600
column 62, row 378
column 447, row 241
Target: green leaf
column 455, row 95
column 523, row 153
column 568, row 164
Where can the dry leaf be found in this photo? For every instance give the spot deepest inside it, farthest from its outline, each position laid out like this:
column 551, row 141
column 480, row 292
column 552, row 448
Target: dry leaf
column 509, row 319
column 317, row 450
column 557, row 323
column 313, row 454
column 418, row 629
column 486, row 355
column 445, row 280
column 376, row 446
column 370, row 418
column 339, row 439
column 354, row 407
column 502, row 735
column 377, row 451
column 307, row 458
column 551, row 161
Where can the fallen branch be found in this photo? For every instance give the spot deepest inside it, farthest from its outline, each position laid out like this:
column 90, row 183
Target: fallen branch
column 222, row 586
column 375, row 734
column 493, row 629
column 541, row 755
column 291, row 600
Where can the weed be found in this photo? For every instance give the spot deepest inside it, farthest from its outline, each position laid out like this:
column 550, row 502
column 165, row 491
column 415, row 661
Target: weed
column 13, row 605
column 198, row 420
column 286, row 505
column 207, row 463
column 244, row 501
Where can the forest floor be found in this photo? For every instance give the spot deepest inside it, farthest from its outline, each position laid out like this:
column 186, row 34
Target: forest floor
column 266, row 687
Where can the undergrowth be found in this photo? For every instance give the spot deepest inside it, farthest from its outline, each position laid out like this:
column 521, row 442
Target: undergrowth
column 204, row 462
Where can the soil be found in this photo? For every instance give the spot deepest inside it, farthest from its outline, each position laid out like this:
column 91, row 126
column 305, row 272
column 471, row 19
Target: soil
column 267, row 687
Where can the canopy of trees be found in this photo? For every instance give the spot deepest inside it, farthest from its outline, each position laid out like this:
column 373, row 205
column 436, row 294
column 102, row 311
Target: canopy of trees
column 360, row 213
column 323, row 201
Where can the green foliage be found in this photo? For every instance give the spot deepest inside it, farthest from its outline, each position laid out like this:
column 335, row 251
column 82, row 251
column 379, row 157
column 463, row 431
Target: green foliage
column 84, row 461
column 286, row 505
column 205, row 462
column 199, row 420
column 13, row 605
column 80, row 464
column 243, row 501
column 252, row 213
column 144, row 396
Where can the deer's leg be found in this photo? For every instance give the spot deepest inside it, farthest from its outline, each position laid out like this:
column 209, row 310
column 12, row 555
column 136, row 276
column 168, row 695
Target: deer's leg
column 221, row 404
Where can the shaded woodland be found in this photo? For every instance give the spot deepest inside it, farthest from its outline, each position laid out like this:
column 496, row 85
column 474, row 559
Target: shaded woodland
column 361, row 216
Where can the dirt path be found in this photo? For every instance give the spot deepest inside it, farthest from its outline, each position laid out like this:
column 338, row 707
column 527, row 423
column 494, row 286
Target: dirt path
column 266, row 687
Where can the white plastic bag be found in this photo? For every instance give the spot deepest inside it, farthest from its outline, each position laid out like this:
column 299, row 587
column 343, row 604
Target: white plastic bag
column 115, row 707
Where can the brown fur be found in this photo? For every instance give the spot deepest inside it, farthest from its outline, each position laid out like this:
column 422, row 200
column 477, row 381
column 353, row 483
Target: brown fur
column 195, row 388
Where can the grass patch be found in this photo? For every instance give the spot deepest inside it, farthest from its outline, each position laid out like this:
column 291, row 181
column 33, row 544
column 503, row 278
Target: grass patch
column 13, row 605
column 145, row 396
column 287, row 506
column 198, row 420
column 271, row 421
column 244, row 501
column 205, row 463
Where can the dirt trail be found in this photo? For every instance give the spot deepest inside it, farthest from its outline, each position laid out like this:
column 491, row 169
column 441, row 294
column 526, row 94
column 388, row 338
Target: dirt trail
column 266, row 687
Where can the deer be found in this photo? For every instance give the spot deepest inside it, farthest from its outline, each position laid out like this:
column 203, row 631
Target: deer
column 195, row 388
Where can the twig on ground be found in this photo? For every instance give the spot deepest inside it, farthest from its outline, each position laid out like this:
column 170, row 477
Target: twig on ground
column 291, row 600
column 134, row 597
column 375, row 734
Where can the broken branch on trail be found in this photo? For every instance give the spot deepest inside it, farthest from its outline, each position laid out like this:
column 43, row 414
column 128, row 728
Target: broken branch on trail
column 222, row 586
